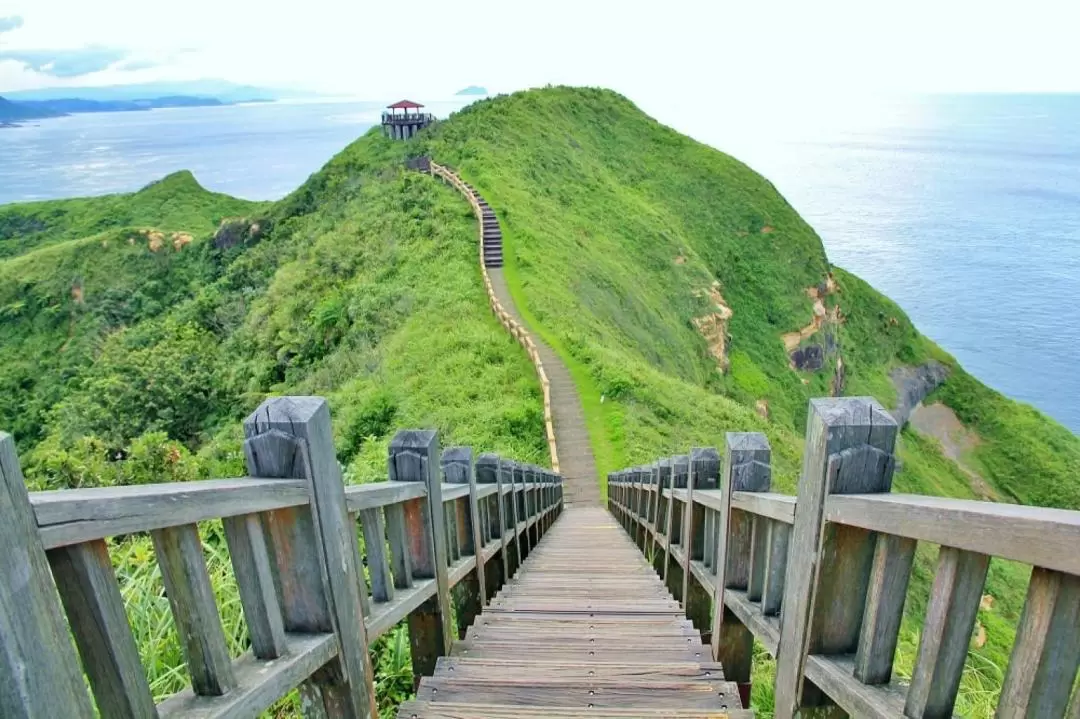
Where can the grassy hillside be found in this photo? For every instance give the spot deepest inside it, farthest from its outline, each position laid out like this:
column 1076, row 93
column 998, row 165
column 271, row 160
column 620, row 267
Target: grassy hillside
column 176, row 203
column 679, row 286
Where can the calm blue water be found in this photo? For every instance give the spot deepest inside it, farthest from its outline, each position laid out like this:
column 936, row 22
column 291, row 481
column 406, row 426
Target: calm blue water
column 965, row 210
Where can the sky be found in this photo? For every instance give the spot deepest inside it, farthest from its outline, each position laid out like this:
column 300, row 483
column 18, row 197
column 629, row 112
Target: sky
column 667, row 53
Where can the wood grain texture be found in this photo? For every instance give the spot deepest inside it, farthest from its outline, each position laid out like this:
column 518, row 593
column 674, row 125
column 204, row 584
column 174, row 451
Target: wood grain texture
column 306, row 421
column 1039, row 536
column 95, row 610
column 414, row 457
column 746, row 468
column 950, row 619
column 255, row 579
column 772, row 594
column 71, row 516
column 191, row 598
column 1046, row 654
column 378, row 558
column 861, row 427
column 884, row 610
column 585, row 627
column 39, row 675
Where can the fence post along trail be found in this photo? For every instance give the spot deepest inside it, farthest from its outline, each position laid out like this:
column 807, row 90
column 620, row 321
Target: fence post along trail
column 292, row 530
column 820, row 579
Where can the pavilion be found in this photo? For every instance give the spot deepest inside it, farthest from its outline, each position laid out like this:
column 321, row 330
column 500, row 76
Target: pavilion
column 403, row 125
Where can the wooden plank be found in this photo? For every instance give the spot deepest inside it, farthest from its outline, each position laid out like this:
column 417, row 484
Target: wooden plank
column 348, row 688
column 259, row 683
column 1039, row 536
column 946, row 632
column 1046, row 653
column 191, row 598
column 39, row 676
column 386, row 615
column 72, row 516
column 746, row 469
column 95, row 610
column 255, row 580
column 437, row 710
column 592, row 693
column 378, row 559
column 758, row 557
column 893, row 557
column 414, row 457
column 828, row 567
column 833, row 674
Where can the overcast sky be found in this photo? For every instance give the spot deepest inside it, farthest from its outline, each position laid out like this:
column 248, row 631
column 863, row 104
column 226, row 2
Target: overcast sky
column 656, row 52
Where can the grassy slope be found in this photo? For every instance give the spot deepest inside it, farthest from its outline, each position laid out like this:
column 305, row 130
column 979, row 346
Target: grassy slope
column 176, row 203
column 598, row 201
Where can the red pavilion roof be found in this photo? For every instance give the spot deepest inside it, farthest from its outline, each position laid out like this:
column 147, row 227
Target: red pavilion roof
column 404, row 105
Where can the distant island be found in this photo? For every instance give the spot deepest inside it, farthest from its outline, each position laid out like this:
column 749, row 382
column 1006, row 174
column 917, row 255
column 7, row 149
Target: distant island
column 46, row 103
column 473, row 90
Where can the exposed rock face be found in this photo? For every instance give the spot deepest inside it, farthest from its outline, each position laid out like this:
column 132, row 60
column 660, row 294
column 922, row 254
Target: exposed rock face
column 810, row 358
column 913, row 384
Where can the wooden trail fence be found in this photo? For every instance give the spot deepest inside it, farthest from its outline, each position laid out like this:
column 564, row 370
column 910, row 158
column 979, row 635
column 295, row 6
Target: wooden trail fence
column 312, row 602
column 820, row 579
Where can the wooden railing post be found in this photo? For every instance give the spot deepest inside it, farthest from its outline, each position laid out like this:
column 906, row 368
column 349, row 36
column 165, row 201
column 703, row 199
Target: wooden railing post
column 510, row 514
column 292, row 437
column 746, row 469
column 849, row 450
column 496, row 573
column 704, row 474
column 674, row 571
column 39, row 676
column 414, row 457
column 457, row 466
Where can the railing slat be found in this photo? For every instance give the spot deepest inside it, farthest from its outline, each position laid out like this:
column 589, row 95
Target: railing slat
column 457, row 467
column 884, row 611
column 255, row 580
column 946, row 632
column 187, row 584
column 772, row 593
column 1046, row 654
column 382, row 582
column 95, row 610
column 397, row 535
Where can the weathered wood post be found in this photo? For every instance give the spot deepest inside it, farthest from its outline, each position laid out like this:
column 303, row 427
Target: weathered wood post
column 315, row 549
column 747, row 457
column 506, row 484
column 673, row 570
column 457, row 466
column 497, row 572
column 660, row 479
column 704, row 474
column 39, row 676
column 414, row 457
column 521, row 509
column 849, row 450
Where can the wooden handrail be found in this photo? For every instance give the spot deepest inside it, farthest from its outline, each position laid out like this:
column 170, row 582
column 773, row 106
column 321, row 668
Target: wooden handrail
column 836, row 560
column 518, row 332
column 310, row 607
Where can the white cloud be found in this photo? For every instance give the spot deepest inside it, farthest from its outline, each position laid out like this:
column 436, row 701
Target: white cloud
column 667, row 53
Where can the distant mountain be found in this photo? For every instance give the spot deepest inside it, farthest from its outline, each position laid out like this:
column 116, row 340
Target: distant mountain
column 12, row 112
column 220, row 90
column 72, row 105
column 472, row 90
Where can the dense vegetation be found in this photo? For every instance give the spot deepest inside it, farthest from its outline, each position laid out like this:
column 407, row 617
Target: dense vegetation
column 139, row 329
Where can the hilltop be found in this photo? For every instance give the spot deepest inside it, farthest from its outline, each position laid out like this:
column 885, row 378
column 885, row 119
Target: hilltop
column 685, row 294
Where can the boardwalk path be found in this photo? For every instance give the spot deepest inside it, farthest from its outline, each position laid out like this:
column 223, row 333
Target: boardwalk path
column 576, row 462
column 586, row 628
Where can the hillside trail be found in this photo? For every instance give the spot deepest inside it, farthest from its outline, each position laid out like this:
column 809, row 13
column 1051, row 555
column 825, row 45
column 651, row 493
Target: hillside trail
column 576, row 462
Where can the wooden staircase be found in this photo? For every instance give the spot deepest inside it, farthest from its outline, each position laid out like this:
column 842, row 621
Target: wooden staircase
column 586, row 629
column 492, row 238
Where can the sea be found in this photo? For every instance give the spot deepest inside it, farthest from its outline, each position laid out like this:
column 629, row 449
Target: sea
column 964, row 209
